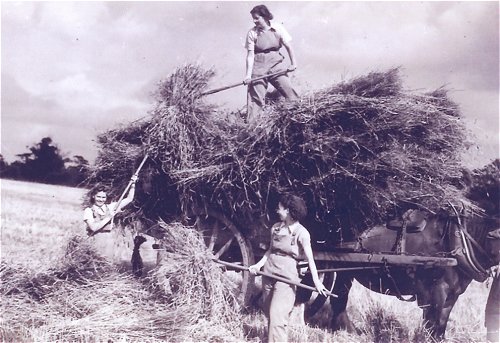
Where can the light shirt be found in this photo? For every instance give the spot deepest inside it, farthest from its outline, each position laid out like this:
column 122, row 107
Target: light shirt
column 254, row 33
column 88, row 214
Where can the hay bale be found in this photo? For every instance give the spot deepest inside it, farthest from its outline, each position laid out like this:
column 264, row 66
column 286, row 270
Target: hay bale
column 355, row 151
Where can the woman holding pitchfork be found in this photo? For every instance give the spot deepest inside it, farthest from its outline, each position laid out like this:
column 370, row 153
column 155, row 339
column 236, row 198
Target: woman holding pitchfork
column 99, row 216
column 98, row 219
column 263, row 44
column 290, row 241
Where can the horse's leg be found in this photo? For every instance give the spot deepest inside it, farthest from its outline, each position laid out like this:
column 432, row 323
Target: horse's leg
column 437, row 301
column 440, row 293
column 340, row 319
column 451, row 287
column 442, row 320
column 426, row 301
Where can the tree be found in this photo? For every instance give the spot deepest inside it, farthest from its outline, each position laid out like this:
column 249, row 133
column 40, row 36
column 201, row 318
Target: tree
column 3, row 166
column 45, row 163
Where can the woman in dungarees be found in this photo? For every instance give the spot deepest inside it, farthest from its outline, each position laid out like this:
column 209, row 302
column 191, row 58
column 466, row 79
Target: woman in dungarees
column 290, row 241
column 263, row 45
column 98, row 218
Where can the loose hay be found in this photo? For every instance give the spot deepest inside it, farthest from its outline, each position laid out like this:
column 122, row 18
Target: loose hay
column 80, row 264
column 357, row 151
column 86, row 299
column 116, row 307
column 119, row 308
column 190, row 278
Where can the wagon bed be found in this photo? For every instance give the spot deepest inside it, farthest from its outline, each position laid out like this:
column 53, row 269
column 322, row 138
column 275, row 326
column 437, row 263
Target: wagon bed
column 385, row 259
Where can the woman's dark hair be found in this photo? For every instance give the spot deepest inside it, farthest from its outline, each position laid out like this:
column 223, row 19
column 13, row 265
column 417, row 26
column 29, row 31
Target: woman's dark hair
column 263, row 11
column 295, row 205
column 95, row 191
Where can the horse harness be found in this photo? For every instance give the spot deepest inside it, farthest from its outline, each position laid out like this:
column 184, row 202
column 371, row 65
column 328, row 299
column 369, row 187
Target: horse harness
column 461, row 244
column 411, row 222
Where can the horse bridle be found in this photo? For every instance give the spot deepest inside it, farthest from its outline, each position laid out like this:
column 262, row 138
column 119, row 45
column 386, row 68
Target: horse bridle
column 466, row 237
column 463, row 229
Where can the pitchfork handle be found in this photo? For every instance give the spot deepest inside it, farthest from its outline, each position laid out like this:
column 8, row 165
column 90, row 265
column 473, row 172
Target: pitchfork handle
column 275, row 277
column 136, row 174
column 242, row 83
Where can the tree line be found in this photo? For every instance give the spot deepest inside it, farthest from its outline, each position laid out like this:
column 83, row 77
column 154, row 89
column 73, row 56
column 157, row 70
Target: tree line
column 45, row 163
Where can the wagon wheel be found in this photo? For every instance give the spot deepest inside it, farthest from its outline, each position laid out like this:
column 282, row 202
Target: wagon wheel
column 227, row 243
column 317, row 301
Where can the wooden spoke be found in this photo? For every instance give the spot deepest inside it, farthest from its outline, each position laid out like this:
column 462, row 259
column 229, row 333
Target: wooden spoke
column 224, row 248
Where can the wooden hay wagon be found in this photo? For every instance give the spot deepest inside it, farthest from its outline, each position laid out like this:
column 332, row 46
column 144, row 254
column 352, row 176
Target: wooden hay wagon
column 352, row 151
column 236, row 242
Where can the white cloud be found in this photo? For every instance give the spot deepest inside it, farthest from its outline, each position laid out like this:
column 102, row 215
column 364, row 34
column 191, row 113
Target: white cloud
column 89, row 65
column 70, row 18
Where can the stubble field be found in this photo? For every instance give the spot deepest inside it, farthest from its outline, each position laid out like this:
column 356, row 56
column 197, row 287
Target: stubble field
column 38, row 221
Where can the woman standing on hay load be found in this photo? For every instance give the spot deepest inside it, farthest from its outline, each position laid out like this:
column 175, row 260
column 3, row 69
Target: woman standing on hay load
column 98, row 217
column 263, row 45
column 289, row 242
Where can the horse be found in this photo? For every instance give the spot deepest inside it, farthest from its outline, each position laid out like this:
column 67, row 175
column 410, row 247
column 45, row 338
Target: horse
column 436, row 289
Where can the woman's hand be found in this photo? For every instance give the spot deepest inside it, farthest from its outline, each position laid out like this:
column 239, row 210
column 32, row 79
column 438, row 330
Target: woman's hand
column 254, row 269
column 320, row 288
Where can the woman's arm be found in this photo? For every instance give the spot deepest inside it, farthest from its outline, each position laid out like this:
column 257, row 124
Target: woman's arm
column 249, row 64
column 130, row 195
column 291, row 55
column 256, row 267
column 306, row 245
column 128, row 199
column 93, row 226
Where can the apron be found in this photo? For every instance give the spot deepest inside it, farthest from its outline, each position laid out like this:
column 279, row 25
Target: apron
column 285, row 253
column 267, row 57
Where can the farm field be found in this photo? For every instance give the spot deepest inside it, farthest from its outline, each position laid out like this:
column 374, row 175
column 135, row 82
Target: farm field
column 102, row 302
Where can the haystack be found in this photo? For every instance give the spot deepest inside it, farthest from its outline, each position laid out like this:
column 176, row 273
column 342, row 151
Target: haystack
column 357, row 151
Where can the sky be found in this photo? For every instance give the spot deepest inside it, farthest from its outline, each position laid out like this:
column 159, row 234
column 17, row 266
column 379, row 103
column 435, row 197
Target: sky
column 72, row 70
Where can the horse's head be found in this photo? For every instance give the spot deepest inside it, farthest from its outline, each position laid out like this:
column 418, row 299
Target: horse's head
column 476, row 243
